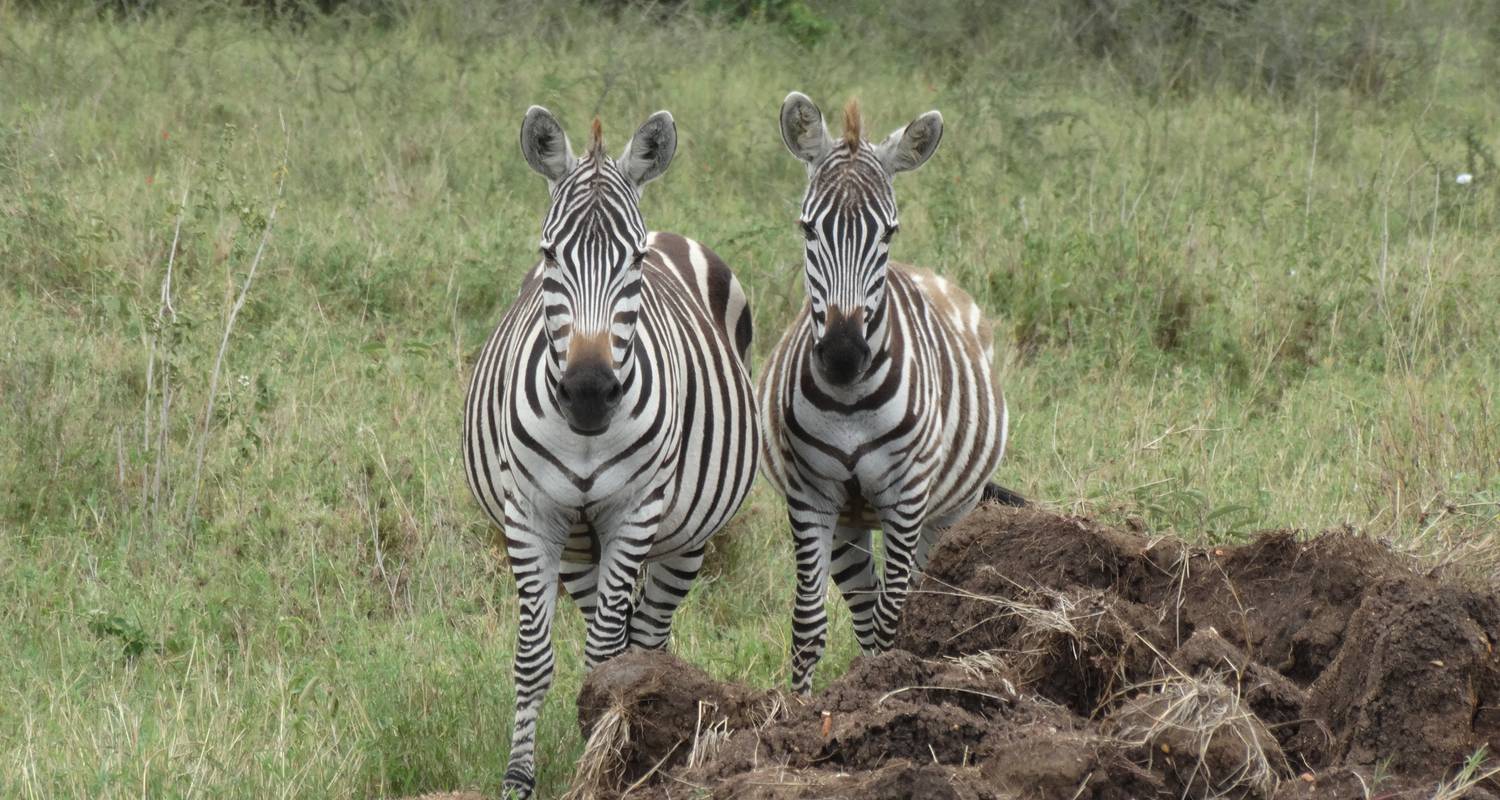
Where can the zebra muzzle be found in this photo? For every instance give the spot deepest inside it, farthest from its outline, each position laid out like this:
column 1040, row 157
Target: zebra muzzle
column 843, row 354
column 588, row 395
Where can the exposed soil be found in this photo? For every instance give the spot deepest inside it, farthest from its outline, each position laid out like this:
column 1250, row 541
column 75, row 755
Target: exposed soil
column 1051, row 657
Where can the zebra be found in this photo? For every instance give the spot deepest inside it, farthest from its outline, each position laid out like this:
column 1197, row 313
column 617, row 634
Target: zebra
column 878, row 406
column 610, row 426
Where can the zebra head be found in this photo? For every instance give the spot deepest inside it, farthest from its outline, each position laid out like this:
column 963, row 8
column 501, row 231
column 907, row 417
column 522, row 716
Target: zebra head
column 848, row 218
column 593, row 247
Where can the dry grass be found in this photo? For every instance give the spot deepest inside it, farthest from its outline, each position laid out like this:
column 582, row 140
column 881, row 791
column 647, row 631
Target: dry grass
column 1204, row 720
column 708, row 738
column 982, row 665
column 600, row 764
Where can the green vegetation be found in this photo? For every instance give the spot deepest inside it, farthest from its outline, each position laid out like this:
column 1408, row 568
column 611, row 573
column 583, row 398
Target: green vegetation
column 1237, row 285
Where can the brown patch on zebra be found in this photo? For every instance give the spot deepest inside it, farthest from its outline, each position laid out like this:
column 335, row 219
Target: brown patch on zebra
column 837, row 318
column 596, row 139
column 955, row 305
column 852, row 123
column 593, row 348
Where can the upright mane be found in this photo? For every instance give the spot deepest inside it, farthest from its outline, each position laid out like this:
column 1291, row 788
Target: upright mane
column 596, row 140
column 852, row 123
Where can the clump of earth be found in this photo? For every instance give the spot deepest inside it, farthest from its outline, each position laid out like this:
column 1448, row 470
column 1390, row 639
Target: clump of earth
column 1045, row 656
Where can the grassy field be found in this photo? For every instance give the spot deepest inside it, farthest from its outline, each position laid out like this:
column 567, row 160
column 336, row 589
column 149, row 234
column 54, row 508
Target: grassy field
column 237, row 554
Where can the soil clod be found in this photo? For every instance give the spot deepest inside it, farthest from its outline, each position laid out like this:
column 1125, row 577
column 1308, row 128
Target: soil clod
column 1053, row 657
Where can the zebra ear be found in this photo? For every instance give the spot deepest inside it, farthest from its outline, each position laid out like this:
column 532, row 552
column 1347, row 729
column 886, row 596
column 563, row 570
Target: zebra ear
column 911, row 146
column 545, row 146
column 651, row 149
column 803, row 129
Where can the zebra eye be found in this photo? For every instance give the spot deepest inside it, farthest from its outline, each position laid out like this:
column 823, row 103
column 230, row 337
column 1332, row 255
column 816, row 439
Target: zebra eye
column 635, row 260
column 807, row 230
column 889, row 232
column 549, row 255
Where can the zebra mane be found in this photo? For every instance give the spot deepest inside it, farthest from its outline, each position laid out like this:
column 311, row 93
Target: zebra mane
column 852, row 124
column 596, row 141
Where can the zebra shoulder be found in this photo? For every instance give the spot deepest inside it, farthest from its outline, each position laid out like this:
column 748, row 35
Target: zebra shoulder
column 710, row 280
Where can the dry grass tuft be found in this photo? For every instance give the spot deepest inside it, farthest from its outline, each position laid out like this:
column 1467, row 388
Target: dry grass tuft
column 1058, row 612
column 775, row 708
column 709, row 738
column 1201, row 726
column 602, row 760
column 980, row 665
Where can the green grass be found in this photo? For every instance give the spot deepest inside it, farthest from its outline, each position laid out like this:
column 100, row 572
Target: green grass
column 1220, row 308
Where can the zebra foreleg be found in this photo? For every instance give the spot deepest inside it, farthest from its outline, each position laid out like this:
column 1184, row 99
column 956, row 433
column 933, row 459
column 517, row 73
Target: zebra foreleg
column 620, row 565
column 534, row 560
column 581, row 582
column 854, row 571
column 667, row 583
column 902, row 550
column 811, row 534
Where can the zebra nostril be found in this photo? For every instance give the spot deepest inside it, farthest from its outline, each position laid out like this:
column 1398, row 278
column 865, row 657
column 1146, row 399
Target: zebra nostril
column 562, row 392
column 614, row 393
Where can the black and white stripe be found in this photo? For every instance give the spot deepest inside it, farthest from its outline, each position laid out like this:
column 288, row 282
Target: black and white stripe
column 879, row 406
column 609, row 427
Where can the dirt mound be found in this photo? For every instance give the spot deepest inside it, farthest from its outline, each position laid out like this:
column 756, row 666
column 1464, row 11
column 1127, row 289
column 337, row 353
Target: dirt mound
column 670, row 704
column 1046, row 656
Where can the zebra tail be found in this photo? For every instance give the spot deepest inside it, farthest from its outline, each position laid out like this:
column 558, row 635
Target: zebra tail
column 995, row 493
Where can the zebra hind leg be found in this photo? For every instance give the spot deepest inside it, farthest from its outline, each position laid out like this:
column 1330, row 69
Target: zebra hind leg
column 666, row 583
column 853, row 570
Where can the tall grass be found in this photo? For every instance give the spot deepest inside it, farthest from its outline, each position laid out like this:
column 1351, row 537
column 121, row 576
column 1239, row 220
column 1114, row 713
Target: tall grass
column 1226, row 301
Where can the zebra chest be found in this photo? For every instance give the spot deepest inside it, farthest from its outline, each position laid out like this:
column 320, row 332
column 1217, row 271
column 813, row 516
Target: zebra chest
column 571, row 474
column 859, row 447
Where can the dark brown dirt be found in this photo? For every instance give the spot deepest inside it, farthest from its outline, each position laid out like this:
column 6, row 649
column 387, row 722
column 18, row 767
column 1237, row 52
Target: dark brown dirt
column 1052, row 657
column 669, row 700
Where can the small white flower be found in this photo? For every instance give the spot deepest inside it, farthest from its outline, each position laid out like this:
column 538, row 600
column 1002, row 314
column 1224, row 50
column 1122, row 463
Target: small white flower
column 1292, row 272
column 1464, row 179
column 245, row 381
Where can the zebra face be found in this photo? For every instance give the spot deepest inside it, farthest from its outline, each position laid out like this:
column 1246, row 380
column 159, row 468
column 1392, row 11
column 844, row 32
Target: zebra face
column 848, row 221
column 593, row 249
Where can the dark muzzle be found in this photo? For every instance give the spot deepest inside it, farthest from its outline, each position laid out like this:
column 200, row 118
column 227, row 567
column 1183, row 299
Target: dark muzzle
column 589, row 394
column 842, row 355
